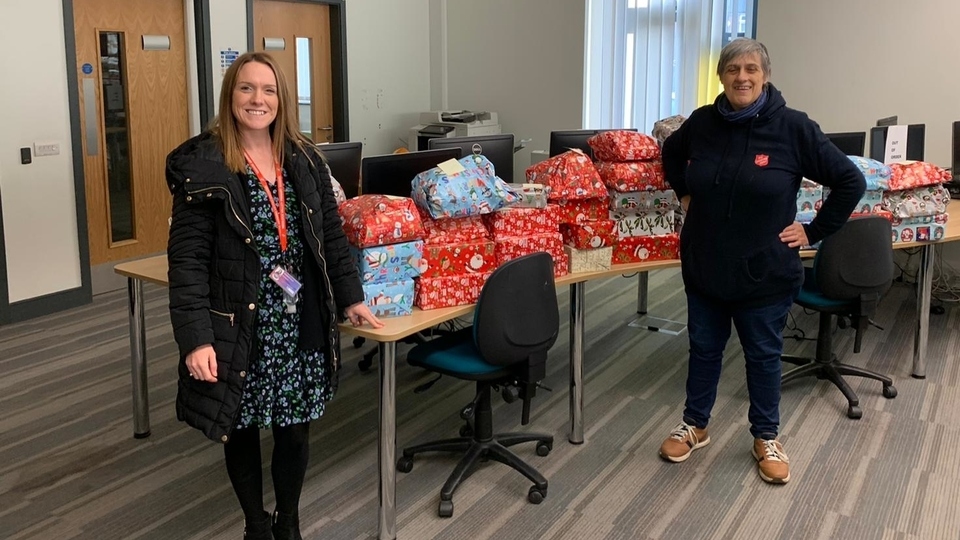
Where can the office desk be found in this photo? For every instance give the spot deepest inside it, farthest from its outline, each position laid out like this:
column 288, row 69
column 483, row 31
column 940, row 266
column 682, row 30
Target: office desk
column 154, row 270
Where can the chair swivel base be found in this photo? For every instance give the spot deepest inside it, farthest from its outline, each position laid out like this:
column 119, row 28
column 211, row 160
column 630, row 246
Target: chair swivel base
column 834, row 371
column 476, row 451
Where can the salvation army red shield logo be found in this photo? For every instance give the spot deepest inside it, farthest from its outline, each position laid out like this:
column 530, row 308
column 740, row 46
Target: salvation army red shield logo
column 761, row 160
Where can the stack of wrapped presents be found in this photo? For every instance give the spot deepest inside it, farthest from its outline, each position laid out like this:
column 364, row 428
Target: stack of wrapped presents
column 641, row 207
column 580, row 200
column 386, row 237
column 519, row 231
column 918, row 201
column 459, row 253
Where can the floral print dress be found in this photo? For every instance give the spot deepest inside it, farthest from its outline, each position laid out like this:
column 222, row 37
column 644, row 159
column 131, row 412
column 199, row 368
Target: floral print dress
column 284, row 385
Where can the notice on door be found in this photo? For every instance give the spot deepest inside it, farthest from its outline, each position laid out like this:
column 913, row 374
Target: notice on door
column 227, row 58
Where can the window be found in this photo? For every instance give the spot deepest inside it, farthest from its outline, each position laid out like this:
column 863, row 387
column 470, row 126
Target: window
column 649, row 59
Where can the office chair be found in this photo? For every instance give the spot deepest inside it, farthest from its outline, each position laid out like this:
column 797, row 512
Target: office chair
column 515, row 323
column 853, row 268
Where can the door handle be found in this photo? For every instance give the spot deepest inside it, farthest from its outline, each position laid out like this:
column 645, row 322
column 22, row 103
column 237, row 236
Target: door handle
column 328, row 128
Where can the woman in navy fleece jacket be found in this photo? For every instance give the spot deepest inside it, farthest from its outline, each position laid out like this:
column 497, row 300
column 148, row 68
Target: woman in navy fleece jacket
column 736, row 167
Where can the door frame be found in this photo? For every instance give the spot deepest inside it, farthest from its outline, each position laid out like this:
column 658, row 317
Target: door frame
column 338, row 61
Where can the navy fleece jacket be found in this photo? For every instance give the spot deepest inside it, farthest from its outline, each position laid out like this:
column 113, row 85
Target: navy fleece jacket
column 743, row 179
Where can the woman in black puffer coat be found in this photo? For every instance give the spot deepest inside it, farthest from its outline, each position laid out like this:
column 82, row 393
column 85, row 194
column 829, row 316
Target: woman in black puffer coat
column 252, row 201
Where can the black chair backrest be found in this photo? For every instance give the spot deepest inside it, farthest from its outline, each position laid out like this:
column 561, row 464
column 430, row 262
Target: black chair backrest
column 857, row 259
column 517, row 313
column 344, row 161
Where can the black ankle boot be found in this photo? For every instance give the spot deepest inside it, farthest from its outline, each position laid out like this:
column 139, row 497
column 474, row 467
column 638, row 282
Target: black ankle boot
column 258, row 529
column 286, row 526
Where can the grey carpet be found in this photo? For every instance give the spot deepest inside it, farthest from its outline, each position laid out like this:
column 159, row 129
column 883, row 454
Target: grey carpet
column 69, row 467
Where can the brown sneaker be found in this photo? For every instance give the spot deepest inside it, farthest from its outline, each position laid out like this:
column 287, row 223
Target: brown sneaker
column 683, row 440
column 772, row 462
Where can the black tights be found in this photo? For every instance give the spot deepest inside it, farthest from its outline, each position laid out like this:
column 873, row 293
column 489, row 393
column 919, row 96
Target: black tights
column 291, row 448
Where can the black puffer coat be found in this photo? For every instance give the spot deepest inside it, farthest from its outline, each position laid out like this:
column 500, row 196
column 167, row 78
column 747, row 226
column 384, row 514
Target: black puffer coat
column 215, row 274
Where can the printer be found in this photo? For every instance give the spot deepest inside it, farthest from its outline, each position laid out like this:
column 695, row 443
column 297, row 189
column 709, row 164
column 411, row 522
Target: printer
column 436, row 124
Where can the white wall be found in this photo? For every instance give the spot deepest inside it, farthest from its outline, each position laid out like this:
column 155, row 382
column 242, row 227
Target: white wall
column 228, row 31
column 520, row 59
column 849, row 63
column 39, row 207
column 388, row 70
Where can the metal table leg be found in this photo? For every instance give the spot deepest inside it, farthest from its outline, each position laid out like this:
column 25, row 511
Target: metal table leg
column 924, row 287
column 643, row 285
column 387, row 526
column 138, row 359
column 576, row 362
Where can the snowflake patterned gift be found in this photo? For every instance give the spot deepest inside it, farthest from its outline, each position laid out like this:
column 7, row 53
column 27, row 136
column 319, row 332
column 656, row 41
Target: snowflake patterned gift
column 516, row 221
column 449, row 291
column 916, row 174
column 373, row 220
column 392, row 262
column 629, row 176
column 621, row 145
column 921, row 201
column 459, row 258
column 643, row 223
column 389, row 299
column 644, row 201
column 569, row 176
column 647, row 248
column 452, row 230
column 589, row 234
column 471, row 189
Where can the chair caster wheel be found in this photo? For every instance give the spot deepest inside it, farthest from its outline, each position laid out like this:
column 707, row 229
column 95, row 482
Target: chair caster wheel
column 405, row 464
column 445, row 509
column 536, row 495
column 357, row 342
column 854, row 412
column 543, row 449
column 365, row 364
column 889, row 392
column 466, row 431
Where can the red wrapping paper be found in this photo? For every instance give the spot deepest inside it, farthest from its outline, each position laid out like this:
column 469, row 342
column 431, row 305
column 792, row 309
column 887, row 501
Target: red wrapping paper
column 449, row 291
column 511, row 247
column 452, row 230
column 576, row 212
column 647, row 248
column 523, row 221
column 376, row 220
column 590, row 234
column 623, row 146
column 570, row 175
column 629, row 176
column 916, row 174
column 458, row 258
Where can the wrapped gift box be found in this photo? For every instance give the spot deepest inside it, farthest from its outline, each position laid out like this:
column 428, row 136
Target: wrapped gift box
column 643, row 223
column 870, row 202
column 515, row 221
column 588, row 260
column 916, row 174
column 919, row 229
column 511, row 247
column 460, row 258
column 452, row 230
column 449, row 291
column 644, row 201
column 576, row 212
column 589, row 234
column 647, row 248
column 393, row 262
column 569, row 176
column 875, row 173
column 532, row 195
column 805, row 217
column 632, row 175
column 390, row 299
column 873, row 213
column 810, row 196
column 373, row 220
column 916, row 202
column 472, row 191
column 622, row 145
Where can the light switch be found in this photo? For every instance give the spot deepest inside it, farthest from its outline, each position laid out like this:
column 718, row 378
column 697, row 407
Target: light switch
column 46, row 149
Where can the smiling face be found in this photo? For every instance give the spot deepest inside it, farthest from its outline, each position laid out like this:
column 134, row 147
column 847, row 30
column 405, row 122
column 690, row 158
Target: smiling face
column 743, row 79
column 255, row 98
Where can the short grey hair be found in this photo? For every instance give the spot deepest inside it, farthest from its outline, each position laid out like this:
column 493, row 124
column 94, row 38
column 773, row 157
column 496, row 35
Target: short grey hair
column 744, row 46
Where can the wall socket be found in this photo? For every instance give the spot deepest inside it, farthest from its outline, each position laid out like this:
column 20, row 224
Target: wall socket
column 46, row 149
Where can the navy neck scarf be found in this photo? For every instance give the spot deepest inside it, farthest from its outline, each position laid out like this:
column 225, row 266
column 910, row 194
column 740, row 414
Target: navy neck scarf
column 744, row 114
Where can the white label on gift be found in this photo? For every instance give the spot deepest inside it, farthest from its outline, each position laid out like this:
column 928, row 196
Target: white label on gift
column 451, row 167
column 896, row 148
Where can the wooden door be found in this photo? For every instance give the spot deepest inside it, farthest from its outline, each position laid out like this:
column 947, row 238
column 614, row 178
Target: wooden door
column 133, row 111
column 305, row 58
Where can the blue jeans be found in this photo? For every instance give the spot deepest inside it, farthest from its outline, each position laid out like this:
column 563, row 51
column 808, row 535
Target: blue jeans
column 761, row 335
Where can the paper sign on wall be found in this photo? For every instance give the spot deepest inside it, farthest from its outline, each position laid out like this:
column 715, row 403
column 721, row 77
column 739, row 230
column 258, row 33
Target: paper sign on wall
column 896, row 148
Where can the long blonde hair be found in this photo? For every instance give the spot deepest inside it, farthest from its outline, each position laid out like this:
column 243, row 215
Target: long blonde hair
column 283, row 129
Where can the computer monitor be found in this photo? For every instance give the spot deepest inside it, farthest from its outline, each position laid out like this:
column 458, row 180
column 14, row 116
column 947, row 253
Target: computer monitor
column 497, row 148
column 344, row 161
column 391, row 174
column 915, row 141
column 954, row 184
column 850, row 143
column 561, row 141
column 888, row 121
